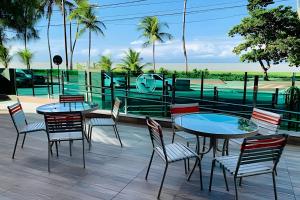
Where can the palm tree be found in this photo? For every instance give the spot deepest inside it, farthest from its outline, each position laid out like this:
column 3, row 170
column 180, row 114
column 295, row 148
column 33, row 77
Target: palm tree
column 25, row 57
column 77, row 13
column 152, row 32
column 105, row 63
column 183, row 36
column 132, row 62
column 5, row 58
column 92, row 24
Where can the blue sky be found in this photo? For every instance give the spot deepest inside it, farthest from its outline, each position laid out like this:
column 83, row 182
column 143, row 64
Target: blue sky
column 206, row 31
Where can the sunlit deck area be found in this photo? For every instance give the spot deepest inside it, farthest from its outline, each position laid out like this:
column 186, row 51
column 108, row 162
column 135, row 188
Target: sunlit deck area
column 113, row 172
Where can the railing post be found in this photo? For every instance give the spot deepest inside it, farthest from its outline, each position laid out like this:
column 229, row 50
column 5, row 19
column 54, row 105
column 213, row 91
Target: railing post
column 90, row 86
column 62, row 82
column 127, row 77
column 86, row 85
column 173, row 88
column 32, row 83
column 48, row 86
column 51, row 78
column 255, row 90
column 202, row 85
column 102, row 87
column 112, row 94
column 163, row 95
column 245, row 88
column 216, row 94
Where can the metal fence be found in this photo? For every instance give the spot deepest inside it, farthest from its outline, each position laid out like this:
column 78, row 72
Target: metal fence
column 102, row 88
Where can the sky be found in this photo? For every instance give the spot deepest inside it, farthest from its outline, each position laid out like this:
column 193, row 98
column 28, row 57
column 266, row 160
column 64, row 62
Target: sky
column 207, row 29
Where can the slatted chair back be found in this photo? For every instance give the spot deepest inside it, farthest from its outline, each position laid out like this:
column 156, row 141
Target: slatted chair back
column 71, row 98
column 179, row 109
column 268, row 122
column 156, row 135
column 262, row 149
column 63, row 122
column 17, row 115
column 116, row 109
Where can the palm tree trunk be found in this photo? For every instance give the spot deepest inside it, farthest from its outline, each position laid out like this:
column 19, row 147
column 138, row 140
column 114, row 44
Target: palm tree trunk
column 48, row 38
column 153, row 50
column 183, row 36
column 90, row 38
column 70, row 32
column 74, row 43
column 65, row 31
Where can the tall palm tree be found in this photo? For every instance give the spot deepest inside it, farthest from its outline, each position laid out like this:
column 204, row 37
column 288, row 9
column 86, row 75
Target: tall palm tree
column 48, row 6
column 183, row 36
column 77, row 14
column 152, row 31
column 5, row 58
column 26, row 57
column 132, row 62
column 92, row 24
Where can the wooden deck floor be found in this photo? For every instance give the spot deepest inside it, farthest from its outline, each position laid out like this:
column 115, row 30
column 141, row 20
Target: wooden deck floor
column 118, row 173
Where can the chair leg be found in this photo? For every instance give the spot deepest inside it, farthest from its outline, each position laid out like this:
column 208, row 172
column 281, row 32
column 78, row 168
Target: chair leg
column 192, row 171
column 274, row 184
column 83, row 156
column 212, row 173
column 173, row 137
column 117, row 135
column 146, row 177
column 16, row 143
column 90, row 136
column 240, row 182
column 49, row 150
column 56, row 148
column 185, row 168
column 162, row 181
column 224, row 174
column 235, row 187
column 200, row 172
column 70, row 146
column 23, row 140
column 188, row 160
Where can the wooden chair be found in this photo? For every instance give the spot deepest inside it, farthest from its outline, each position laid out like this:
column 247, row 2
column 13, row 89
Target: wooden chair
column 169, row 153
column 268, row 122
column 22, row 126
column 112, row 121
column 64, row 127
column 71, row 98
column 259, row 155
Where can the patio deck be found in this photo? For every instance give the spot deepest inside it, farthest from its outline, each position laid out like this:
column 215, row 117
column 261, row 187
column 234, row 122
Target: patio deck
column 118, row 173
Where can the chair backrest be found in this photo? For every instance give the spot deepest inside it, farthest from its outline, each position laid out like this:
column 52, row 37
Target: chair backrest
column 71, row 98
column 63, row 122
column 178, row 109
column 116, row 109
column 156, row 135
column 268, row 122
column 262, row 149
column 17, row 115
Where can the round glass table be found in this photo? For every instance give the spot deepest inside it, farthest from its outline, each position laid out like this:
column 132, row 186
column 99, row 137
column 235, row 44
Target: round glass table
column 84, row 107
column 214, row 126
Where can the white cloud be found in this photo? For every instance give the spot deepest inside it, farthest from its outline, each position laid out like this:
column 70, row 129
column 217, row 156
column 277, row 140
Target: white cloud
column 137, row 42
column 94, row 52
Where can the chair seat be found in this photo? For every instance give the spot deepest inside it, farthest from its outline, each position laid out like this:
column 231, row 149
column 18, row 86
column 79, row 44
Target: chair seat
column 186, row 136
column 176, row 152
column 101, row 122
column 33, row 127
column 66, row 136
column 230, row 163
